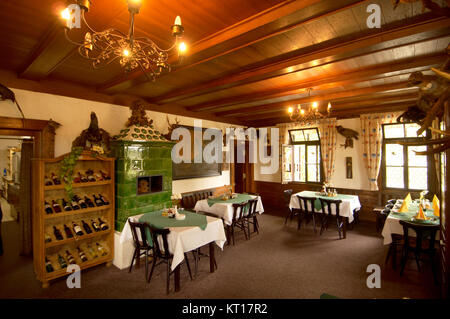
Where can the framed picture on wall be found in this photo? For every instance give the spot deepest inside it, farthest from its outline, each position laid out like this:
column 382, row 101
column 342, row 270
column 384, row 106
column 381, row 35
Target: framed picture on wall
column 196, row 170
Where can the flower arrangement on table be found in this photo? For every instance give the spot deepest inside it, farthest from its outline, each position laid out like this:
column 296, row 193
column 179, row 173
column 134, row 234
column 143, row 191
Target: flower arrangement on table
column 176, row 199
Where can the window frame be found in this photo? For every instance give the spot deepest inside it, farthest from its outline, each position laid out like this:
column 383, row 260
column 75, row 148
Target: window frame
column 307, row 143
column 406, row 166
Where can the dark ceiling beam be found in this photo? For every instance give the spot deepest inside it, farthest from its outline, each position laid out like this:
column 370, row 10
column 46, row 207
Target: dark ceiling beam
column 340, row 79
column 420, row 30
column 269, row 23
column 326, row 97
column 53, row 49
column 343, row 114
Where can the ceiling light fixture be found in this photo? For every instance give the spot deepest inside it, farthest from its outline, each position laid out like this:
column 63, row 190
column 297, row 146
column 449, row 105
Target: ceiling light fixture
column 307, row 114
column 105, row 47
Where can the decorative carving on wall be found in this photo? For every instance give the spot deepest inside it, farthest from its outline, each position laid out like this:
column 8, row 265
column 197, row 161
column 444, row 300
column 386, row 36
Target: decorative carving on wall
column 349, row 135
column 93, row 138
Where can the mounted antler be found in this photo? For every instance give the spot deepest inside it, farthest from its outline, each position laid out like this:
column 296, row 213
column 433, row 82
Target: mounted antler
column 171, row 127
column 428, row 4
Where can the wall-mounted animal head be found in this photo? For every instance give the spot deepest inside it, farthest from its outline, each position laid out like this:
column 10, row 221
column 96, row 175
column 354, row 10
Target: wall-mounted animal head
column 349, row 135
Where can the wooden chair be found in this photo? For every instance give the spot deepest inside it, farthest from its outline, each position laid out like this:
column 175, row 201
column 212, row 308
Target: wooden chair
column 423, row 233
column 395, row 247
column 251, row 217
column 327, row 213
column 141, row 243
column 197, row 253
column 1, row 240
column 163, row 254
column 305, row 211
column 287, row 199
column 238, row 220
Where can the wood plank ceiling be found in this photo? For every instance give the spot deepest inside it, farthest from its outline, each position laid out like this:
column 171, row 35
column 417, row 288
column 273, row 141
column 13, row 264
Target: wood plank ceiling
column 248, row 61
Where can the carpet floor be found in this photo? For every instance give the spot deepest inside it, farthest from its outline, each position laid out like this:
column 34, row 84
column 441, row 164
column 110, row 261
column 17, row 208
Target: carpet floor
column 280, row 262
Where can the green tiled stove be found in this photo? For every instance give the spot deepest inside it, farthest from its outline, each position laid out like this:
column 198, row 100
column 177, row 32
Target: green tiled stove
column 143, row 171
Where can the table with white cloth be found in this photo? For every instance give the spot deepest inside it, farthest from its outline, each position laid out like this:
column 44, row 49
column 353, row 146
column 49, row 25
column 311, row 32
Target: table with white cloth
column 346, row 209
column 185, row 239
column 224, row 210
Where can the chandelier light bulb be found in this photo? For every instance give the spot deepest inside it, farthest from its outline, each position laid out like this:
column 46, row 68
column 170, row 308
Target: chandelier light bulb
column 302, row 111
column 290, row 109
column 315, row 105
column 65, row 14
column 177, row 21
column 182, row 47
column 126, row 53
column 329, row 106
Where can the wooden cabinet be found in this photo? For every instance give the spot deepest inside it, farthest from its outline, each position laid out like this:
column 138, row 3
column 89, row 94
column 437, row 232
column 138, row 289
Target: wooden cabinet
column 45, row 243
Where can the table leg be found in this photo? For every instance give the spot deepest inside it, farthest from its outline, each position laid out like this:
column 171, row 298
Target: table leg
column 344, row 228
column 211, row 257
column 177, row 278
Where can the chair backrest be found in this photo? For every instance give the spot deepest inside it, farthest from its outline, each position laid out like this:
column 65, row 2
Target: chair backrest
column 422, row 232
column 141, row 227
column 326, row 205
column 252, row 206
column 303, row 202
column 238, row 210
column 287, row 193
column 155, row 232
column 392, row 201
column 389, row 206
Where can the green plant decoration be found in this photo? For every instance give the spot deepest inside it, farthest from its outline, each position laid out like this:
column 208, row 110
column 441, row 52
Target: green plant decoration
column 67, row 167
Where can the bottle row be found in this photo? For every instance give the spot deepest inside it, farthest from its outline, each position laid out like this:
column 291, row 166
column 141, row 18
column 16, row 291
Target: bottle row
column 88, row 176
column 64, row 258
column 77, row 230
column 76, row 203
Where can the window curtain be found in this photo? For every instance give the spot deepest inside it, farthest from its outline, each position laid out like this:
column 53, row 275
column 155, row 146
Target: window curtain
column 328, row 135
column 371, row 137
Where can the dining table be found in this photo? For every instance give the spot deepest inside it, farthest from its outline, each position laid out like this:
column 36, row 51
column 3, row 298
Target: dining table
column 223, row 208
column 349, row 204
column 186, row 235
column 392, row 224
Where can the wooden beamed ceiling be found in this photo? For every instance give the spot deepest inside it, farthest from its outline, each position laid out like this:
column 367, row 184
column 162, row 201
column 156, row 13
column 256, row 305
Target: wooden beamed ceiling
column 248, row 61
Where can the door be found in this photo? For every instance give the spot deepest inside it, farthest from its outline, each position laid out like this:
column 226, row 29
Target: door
column 243, row 172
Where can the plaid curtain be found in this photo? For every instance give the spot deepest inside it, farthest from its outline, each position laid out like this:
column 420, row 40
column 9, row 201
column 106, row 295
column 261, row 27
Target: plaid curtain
column 327, row 132
column 371, row 137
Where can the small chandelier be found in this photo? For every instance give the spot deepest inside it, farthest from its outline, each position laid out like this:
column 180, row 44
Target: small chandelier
column 105, row 47
column 307, row 114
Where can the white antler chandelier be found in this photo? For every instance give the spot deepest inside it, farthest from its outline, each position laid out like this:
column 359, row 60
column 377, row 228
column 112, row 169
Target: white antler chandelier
column 108, row 46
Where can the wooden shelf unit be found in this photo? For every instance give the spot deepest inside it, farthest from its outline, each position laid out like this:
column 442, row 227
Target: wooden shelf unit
column 43, row 223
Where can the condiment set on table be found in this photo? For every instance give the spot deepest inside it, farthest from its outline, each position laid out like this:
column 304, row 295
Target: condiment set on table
column 172, row 212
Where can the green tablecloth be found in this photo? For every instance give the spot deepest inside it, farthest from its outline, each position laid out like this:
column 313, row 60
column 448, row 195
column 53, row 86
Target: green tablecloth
column 412, row 212
column 155, row 219
column 317, row 204
column 240, row 198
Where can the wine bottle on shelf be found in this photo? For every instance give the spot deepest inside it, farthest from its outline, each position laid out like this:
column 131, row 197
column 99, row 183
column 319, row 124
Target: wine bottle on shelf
column 80, row 201
column 92, row 251
column 95, row 226
column 76, row 179
column 82, row 255
column 55, row 179
column 70, row 258
column 90, row 175
column 101, row 250
column 103, row 199
column 86, row 227
column 105, row 176
column 47, row 181
column 82, row 178
column 103, row 225
column 97, row 201
column 47, row 238
column 74, row 204
column 98, row 176
column 68, row 231
column 66, row 205
column 88, row 201
column 48, row 208
column 56, row 207
column 48, row 265
column 57, row 233
column 62, row 261
column 77, row 229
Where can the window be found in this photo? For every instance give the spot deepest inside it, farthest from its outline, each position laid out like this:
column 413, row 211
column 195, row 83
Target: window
column 402, row 168
column 301, row 159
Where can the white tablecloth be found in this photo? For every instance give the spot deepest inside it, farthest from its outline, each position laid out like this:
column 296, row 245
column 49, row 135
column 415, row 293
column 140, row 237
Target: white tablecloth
column 224, row 210
column 348, row 205
column 185, row 239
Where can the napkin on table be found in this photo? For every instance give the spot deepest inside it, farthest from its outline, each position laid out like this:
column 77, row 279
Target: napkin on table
column 436, row 206
column 420, row 214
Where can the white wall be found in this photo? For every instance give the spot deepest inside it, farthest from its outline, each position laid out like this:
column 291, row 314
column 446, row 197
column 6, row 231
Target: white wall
column 74, row 116
column 339, row 178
